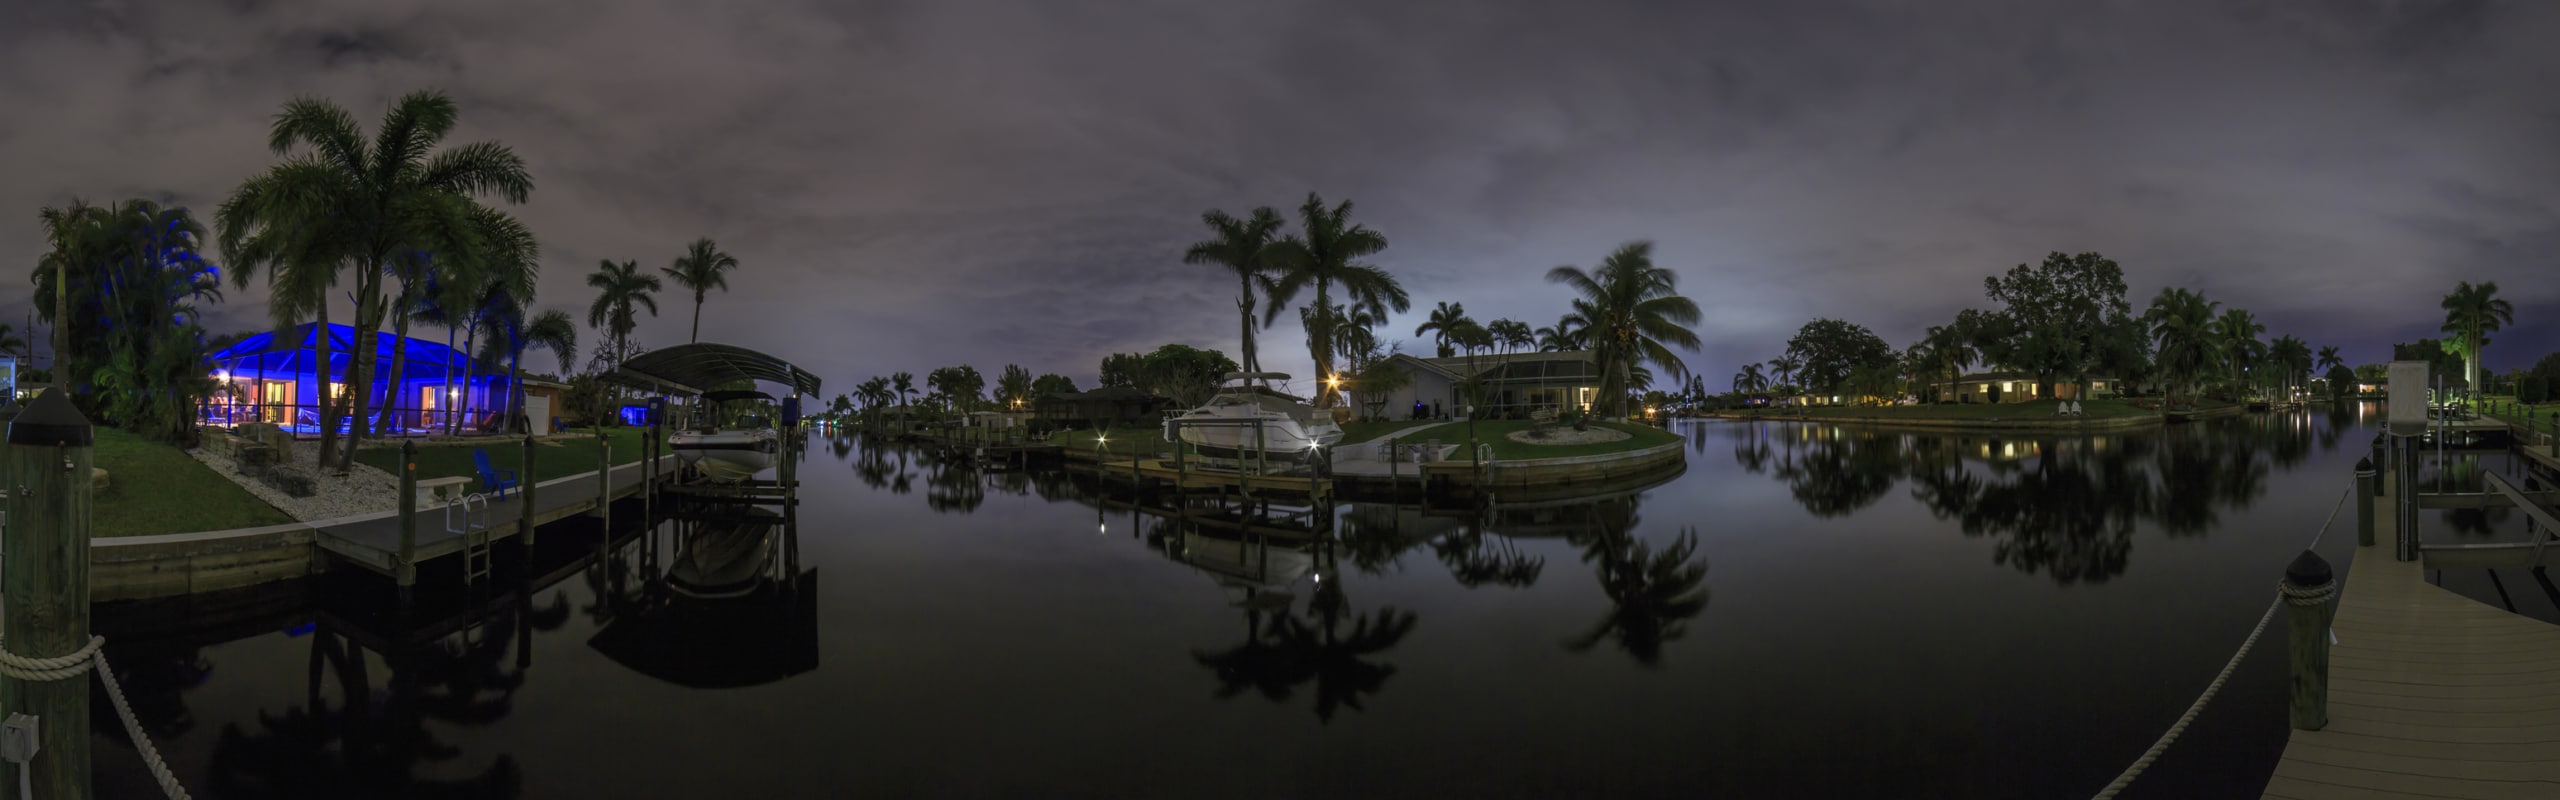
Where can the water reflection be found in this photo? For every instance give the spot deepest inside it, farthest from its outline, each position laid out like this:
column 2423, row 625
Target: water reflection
column 2061, row 506
column 731, row 609
column 1652, row 594
column 1332, row 646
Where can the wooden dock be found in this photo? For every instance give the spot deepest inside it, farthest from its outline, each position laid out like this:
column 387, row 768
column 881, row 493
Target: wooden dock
column 1196, row 478
column 2431, row 694
column 374, row 543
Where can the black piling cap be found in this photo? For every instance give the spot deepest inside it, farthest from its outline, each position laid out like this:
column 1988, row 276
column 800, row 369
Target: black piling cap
column 2364, row 465
column 2307, row 570
column 50, row 420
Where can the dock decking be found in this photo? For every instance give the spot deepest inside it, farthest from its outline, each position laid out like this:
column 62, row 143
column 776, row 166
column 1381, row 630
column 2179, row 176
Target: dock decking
column 375, row 543
column 2431, row 694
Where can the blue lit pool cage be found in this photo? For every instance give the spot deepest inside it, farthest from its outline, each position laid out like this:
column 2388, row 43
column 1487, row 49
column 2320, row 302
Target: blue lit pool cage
column 275, row 378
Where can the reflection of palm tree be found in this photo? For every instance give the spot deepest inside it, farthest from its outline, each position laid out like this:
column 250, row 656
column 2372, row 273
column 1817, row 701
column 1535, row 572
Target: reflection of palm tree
column 1840, row 474
column 1475, row 559
column 1651, row 595
column 954, row 486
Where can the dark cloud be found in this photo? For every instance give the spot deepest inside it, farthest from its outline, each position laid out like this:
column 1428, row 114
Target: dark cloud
column 912, row 184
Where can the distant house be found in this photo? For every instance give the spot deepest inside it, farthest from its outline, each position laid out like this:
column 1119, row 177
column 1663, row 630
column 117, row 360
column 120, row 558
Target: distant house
column 2019, row 387
column 1515, row 385
column 1106, row 405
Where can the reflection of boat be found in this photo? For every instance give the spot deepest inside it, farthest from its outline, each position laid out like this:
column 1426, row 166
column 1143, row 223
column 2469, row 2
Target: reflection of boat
column 732, row 441
column 726, row 557
column 1242, row 564
column 1245, row 412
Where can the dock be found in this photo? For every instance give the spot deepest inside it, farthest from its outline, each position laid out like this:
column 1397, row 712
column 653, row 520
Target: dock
column 2431, row 694
column 1187, row 478
column 374, row 543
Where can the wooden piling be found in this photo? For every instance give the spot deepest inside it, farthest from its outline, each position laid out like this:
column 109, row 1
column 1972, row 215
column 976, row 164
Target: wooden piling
column 2308, row 588
column 2365, row 477
column 604, row 478
column 406, row 573
column 50, row 451
column 524, row 493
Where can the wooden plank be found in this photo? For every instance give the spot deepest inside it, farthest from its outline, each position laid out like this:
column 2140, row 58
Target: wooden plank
column 2423, row 785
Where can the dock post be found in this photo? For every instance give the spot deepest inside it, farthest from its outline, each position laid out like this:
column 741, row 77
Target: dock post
column 50, row 451
column 604, row 477
column 1395, row 467
column 406, row 572
column 2307, row 589
column 2366, row 476
column 524, row 493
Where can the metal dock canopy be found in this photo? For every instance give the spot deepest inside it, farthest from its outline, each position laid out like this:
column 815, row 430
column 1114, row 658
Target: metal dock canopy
column 684, row 370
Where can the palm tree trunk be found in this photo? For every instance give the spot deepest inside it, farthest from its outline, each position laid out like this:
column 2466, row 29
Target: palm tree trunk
column 445, row 392
column 1321, row 339
column 399, row 360
column 360, row 368
column 62, row 324
column 1244, row 308
column 328, row 432
column 470, row 346
column 697, row 318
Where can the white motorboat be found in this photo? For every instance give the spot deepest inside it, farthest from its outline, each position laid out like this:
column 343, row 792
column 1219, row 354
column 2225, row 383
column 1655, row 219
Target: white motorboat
column 732, row 440
column 1246, row 413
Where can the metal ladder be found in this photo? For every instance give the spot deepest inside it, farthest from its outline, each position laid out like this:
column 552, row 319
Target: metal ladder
column 476, row 558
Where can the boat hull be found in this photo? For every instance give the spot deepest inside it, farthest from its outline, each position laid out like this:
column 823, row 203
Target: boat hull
column 727, row 455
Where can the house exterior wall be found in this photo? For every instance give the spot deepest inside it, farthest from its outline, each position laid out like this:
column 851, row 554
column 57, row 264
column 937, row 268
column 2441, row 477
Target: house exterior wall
column 1427, row 387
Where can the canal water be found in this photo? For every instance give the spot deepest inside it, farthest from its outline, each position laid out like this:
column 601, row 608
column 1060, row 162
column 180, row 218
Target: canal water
column 1805, row 611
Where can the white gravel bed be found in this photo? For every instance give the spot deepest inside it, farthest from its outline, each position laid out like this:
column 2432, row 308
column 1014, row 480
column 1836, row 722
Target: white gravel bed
column 363, row 490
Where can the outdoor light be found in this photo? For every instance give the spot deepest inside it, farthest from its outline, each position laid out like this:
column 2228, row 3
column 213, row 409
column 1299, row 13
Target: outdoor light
column 223, row 376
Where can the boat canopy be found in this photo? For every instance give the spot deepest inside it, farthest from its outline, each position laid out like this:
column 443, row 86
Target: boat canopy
column 684, row 369
column 1257, row 376
column 736, row 394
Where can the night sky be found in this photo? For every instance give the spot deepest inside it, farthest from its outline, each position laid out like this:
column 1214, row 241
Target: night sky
column 911, row 185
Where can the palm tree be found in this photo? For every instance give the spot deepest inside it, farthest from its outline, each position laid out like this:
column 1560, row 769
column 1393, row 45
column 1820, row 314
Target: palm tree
column 1326, row 254
column 621, row 290
column 2238, row 332
column 2189, row 350
column 1636, row 315
column 1445, row 318
column 1785, row 367
column 1512, row 334
column 2293, row 357
column 701, row 269
column 341, row 204
column 1952, row 348
column 2328, row 360
column 2471, row 313
column 1244, row 248
column 511, row 334
column 1750, row 380
column 496, row 251
column 71, row 240
column 904, row 383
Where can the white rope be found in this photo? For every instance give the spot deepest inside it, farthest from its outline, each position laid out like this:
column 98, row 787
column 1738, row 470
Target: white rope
column 89, row 657
column 2286, row 594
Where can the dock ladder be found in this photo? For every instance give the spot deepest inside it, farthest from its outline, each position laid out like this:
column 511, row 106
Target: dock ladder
column 476, row 557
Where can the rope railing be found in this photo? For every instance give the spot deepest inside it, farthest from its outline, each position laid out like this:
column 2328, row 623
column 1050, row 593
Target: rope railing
column 2284, row 594
column 93, row 657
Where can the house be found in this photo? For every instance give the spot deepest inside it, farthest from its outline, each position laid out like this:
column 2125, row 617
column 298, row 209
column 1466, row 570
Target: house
column 1515, row 385
column 275, row 377
column 1107, row 405
column 2018, row 387
column 543, row 405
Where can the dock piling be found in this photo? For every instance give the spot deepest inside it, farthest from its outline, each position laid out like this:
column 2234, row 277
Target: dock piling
column 50, row 451
column 2307, row 588
column 406, row 572
column 2365, row 477
column 524, row 492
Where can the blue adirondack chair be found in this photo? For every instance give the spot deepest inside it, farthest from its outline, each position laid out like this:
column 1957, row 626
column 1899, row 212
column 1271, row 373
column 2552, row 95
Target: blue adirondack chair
column 497, row 481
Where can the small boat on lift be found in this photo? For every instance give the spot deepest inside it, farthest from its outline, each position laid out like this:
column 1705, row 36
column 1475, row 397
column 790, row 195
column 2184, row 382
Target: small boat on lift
column 1247, row 413
column 734, row 438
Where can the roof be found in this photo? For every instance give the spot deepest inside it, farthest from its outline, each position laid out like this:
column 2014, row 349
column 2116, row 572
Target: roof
column 1462, row 366
column 2017, row 376
column 285, row 350
column 684, row 369
column 1544, row 371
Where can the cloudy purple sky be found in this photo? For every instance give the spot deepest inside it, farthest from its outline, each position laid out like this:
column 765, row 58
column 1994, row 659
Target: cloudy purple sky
column 915, row 184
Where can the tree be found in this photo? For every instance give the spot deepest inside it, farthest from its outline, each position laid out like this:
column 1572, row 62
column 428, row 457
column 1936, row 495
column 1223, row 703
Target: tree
column 1121, row 370
column 2292, row 358
column 512, row 333
column 2443, row 358
column 1828, row 351
column 341, row 204
column 904, row 383
column 1472, row 338
column 1050, row 383
column 1014, row 387
column 2471, row 313
column 2237, row 331
column 1445, row 318
column 621, row 291
column 1636, row 316
column 1512, row 334
column 126, row 280
column 2189, row 351
column 1785, row 368
column 1569, row 333
column 702, row 268
column 2054, row 311
column 2328, row 360
column 494, row 249
column 1376, row 381
column 1244, row 247
column 960, row 385
column 1184, row 373
column 1952, row 348
column 1750, row 380
column 1327, row 254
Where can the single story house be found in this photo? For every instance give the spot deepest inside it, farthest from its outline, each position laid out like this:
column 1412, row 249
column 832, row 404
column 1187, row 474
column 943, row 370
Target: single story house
column 1515, row 385
column 275, row 377
column 2019, row 387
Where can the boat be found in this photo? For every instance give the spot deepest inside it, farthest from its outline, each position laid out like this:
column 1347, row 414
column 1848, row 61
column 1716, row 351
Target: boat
column 733, row 441
column 1245, row 413
column 727, row 557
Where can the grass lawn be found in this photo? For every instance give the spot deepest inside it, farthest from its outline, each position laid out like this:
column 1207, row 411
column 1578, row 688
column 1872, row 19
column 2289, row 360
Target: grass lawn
column 154, row 488
column 1498, row 433
column 1358, row 431
column 2101, row 408
column 2503, row 407
column 568, row 457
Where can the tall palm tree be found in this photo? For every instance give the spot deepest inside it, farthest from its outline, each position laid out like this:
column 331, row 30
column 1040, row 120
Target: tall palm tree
column 2292, row 359
column 512, row 334
column 1952, row 348
column 71, row 241
column 1512, row 334
column 621, row 291
column 1244, row 248
column 2471, row 313
column 1326, row 255
column 496, row 253
column 340, row 202
column 1784, row 368
column 2189, row 347
column 1636, row 315
column 1446, row 317
column 904, row 383
column 1569, row 333
column 2241, row 350
column 2328, row 360
column 1750, row 380
column 701, row 269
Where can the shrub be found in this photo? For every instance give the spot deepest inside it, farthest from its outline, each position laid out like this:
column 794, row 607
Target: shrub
column 2533, row 390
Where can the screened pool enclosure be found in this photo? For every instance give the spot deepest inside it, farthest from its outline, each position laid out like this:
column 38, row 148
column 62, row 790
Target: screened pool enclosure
column 275, row 378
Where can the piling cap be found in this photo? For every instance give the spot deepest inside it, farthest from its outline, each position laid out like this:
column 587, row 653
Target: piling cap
column 2364, row 466
column 50, row 420
column 2307, row 570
